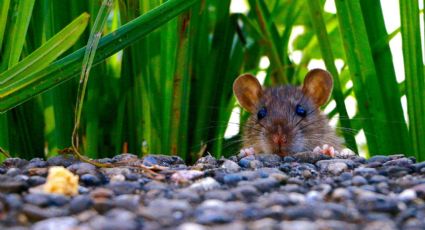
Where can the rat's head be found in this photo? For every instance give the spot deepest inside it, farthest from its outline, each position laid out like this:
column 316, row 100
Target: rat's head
column 286, row 119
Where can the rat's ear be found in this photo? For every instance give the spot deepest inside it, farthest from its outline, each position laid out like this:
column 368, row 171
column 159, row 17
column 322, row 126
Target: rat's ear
column 248, row 91
column 318, row 86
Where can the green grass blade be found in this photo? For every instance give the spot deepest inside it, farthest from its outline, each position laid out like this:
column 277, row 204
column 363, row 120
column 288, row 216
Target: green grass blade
column 44, row 55
column 364, row 76
column 181, row 91
column 382, row 57
column 272, row 43
column 66, row 68
column 90, row 52
column 316, row 13
column 4, row 9
column 17, row 33
column 413, row 65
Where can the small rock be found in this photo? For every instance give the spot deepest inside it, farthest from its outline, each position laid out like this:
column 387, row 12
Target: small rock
column 341, row 194
column 128, row 202
column 359, row 181
column 313, row 196
column 378, row 179
column 36, row 180
column 407, row 195
column 365, row 172
column 335, row 166
column 59, row 223
column 125, row 157
column 61, row 160
column 89, row 180
column 81, row 168
column 13, row 172
column 378, row 158
column 183, row 176
column 380, row 225
column 35, row 213
column 117, row 178
column 255, row 164
column 269, row 160
column 401, row 162
column 36, row 163
column 212, row 212
column 191, row 226
column 230, row 166
column 245, row 162
column 13, row 201
column 222, row 195
column 266, row 184
column 205, row 184
column 14, row 162
column 12, row 184
column 124, row 187
column 233, row 179
column 80, row 203
column 246, row 193
column 298, row 224
column 162, row 160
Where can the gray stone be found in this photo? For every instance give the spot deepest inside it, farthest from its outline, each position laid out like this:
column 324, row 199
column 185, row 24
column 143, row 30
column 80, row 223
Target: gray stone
column 58, row 223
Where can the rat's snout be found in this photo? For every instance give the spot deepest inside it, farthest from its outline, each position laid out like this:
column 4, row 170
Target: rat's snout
column 280, row 139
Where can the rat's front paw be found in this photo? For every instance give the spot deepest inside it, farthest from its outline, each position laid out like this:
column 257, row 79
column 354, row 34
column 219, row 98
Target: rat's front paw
column 246, row 152
column 346, row 153
column 326, row 150
column 330, row 151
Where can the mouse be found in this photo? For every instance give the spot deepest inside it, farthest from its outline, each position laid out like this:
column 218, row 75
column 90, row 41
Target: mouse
column 286, row 120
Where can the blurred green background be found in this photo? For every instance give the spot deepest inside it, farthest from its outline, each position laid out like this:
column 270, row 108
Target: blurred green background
column 162, row 75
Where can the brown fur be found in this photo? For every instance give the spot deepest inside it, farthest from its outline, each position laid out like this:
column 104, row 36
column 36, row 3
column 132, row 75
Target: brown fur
column 301, row 134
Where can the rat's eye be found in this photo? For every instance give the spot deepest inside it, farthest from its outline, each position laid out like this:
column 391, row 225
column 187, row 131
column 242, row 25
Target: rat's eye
column 300, row 111
column 262, row 113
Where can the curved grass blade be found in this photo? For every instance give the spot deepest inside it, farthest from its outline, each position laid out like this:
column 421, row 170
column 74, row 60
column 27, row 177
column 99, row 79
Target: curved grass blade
column 91, row 47
column 44, row 55
column 66, row 68
column 17, row 34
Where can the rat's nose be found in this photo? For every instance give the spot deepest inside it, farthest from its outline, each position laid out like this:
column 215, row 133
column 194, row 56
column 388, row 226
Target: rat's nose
column 280, row 139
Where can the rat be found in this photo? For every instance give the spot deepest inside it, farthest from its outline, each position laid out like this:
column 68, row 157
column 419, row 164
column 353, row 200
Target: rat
column 286, row 120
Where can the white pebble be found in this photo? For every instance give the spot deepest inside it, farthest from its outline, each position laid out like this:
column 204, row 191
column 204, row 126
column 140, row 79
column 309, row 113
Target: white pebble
column 407, row 195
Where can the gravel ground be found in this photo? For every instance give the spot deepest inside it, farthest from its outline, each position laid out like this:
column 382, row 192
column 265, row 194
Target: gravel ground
column 261, row 192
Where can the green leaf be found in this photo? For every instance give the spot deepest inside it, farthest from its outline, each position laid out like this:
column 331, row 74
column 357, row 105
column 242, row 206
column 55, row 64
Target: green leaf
column 17, row 33
column 4, row 8
column 44, row 55
column 66, row 68
column 414, row 72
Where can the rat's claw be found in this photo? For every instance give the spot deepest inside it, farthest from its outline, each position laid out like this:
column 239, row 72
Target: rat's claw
column 247, row 152
column 326, row 150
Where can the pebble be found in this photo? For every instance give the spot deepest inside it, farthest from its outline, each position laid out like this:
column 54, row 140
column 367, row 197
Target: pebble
column 205, row 184
column 11, row 184
column 90, row 180
column 358, row 181
column 407, row 195
column 378, row 158
column 58, row 223
column 250, row 192
column 124, row 187
column 13, row 172
column 230, row 166
column 36, row 180
column 335, row 166
column 80, row 203
column 246, row 161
